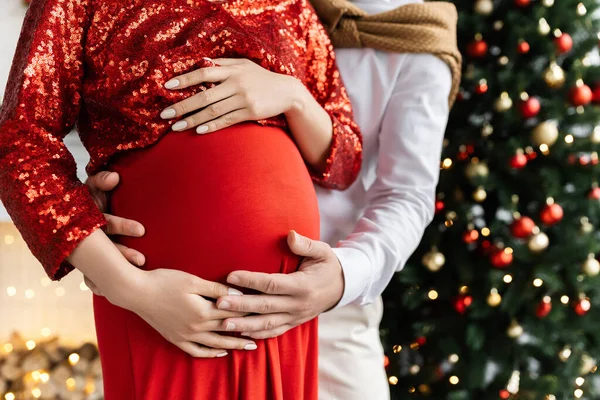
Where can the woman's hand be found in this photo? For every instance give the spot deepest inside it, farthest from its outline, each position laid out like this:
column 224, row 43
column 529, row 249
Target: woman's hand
column 170, row 302
column 247, row 92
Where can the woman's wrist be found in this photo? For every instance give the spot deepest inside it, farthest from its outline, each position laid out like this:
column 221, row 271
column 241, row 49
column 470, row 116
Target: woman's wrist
column 300, row 99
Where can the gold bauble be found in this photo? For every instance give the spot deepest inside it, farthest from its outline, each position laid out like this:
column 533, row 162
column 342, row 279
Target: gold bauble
column 494, row 299
column 514, row 330
column 503, row 103
column 479, row 194
column 538, row 242
column 587, row 364
column 484, row 7
column 477, row 169
column 595, row 136
column 591, row 266
column 545, row 133
column 554, row 76
column 433, row 260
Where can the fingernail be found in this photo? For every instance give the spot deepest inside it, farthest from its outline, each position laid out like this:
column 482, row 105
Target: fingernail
column 222, row 355
column 139, row 261
column 172, row 84
column 230, row 326
column 233, row 292
column 234, row 280
column 202, row 129
column 168, row 113
column 244, row 333
column 224, row 305
column 250, row 346
column 180, row 125
column 139, row 231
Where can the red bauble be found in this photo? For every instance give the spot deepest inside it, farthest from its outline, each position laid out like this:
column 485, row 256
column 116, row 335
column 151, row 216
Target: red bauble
column 481, row 88
column 470, row 236
column 582, row 307
column 501, row 258
column 522, row 3
column 421, row 340
column 504, row 394
column 563, row 43
column 522, row 228
column 386, row 361
column 477, row 48
column 594, row 194
column 530, row 107
column 551, row 214
column 439, row 206
column 523, row 47
column 596, row 93
column 581, row 95
column 518, row 161
column 462, row 302
column 543, row 309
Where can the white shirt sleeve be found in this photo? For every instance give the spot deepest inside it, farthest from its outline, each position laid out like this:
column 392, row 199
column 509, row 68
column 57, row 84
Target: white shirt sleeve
column 402, row 199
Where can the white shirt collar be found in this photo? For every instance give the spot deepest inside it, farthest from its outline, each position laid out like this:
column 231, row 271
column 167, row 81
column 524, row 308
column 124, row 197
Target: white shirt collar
column 378, row 6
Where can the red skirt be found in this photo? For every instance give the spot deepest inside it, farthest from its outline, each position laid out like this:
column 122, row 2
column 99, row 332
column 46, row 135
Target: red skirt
column 211, row 204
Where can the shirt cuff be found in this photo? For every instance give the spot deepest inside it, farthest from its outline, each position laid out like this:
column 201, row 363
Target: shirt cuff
column 357, row 273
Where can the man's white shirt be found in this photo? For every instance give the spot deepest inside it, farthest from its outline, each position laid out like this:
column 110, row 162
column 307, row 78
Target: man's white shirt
column 400, row 102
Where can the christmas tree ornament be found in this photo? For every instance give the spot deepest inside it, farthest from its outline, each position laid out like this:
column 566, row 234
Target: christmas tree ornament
column 581, row 10
column 563, row 43
column 523, row 47
column 439, row 206
column 582, row 306
column 514, row 330
column 591, row 266
column 522, row 227
column 471, row 236
column 479, row 195
column 594, row 194
column 565, row 353
column 538, row 242
column 522, row 3
column 543, row 27
column 484, row 7
column 477, row 48
column 503, row 103
column 587, row 364
column 494, row 299
column 519, row 160
column 554, row 76
column 544, row 307
column 586, row 227
column 477, row 169
column 530, row 106
column 462, row 302
column 482, row 87
column 552, row 213
column 433, row 260
column 596, row 94
column 581, row 94
column 547, row 3
column 501, row 258
column 513, row 383
column 545, row 133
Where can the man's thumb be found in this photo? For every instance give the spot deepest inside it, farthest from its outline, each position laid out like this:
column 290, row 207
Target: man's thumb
column 303, row 246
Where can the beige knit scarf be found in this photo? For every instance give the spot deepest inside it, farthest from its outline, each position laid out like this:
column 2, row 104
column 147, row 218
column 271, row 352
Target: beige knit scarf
column 413, row 28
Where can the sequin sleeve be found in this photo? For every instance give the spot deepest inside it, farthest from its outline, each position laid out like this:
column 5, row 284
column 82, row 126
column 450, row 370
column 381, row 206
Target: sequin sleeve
column 51, row 208
column 324, row 82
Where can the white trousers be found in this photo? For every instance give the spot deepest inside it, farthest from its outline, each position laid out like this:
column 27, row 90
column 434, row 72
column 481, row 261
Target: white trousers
column 351, row 355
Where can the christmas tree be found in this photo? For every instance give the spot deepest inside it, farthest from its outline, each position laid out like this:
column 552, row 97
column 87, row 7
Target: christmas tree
column 502, row 300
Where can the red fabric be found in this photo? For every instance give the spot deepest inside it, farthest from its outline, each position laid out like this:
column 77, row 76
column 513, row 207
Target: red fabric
column 103, row 63
column 212, row 204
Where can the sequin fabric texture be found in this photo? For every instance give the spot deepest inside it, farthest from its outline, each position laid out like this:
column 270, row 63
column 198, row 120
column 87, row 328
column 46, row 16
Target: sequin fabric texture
column 102, row 65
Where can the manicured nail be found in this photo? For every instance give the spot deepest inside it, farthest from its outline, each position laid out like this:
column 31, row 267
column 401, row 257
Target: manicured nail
column 168, row 113
column 202, row 129
column 180, row 125
column 230, row 326
column 224, row 305
column 222, row 355
column 139, row 231
column 139, row 261
column 244, row 334
column 172, row 84
column 250, row 346
column 234, row 280
column 233, row 292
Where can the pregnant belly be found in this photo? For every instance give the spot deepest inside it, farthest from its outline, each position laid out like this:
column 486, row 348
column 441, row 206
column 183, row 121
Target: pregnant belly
column 217, row 203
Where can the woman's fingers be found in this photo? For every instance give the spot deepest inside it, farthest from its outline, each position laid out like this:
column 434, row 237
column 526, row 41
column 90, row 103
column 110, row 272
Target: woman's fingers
column 198, row 351
column 201, row 75
column 234, row 117
column 122, row 226
column 92, row 286
column 216, row 341
column 133, row 256
column 212, row 112
column 198, row 101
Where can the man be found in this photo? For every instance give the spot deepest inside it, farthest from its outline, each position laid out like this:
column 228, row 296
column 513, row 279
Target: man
column 401, row 104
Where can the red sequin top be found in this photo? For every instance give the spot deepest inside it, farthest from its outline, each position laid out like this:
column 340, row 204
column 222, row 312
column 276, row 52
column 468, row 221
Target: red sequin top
column 103, row 64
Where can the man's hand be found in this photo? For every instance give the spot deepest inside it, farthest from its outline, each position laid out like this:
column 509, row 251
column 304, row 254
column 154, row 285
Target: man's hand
column 289, row 299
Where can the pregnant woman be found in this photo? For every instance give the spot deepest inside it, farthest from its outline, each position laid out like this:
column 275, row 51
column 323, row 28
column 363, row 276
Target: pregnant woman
column 122, row 71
